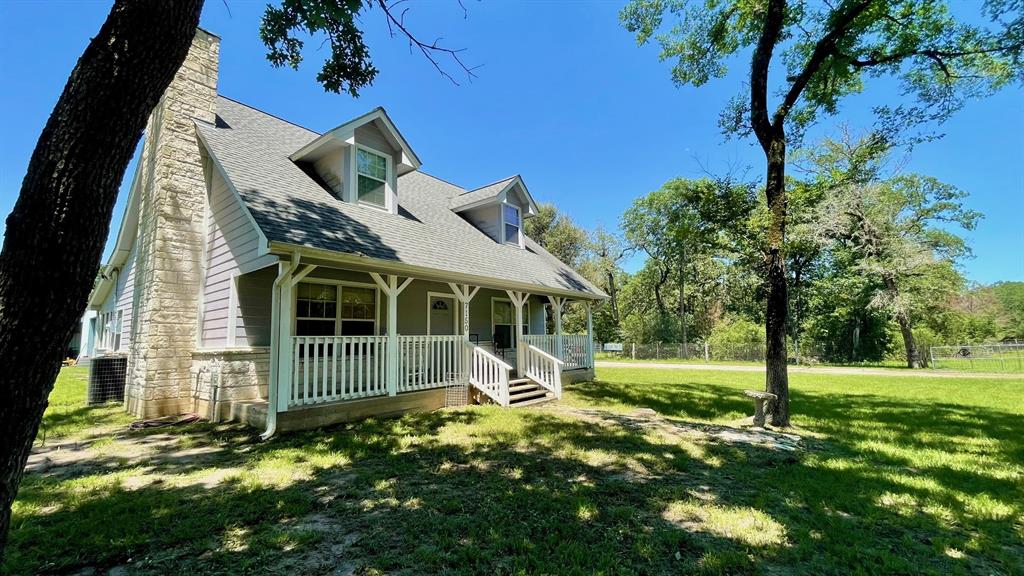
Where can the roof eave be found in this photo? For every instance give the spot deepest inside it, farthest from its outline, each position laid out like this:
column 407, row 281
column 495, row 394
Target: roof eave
column 368, row 263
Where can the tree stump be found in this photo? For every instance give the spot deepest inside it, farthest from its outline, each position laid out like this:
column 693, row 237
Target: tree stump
column 762, row 402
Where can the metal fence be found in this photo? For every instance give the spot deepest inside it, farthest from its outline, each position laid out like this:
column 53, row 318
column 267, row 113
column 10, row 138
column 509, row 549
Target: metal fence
column 691, row 351
column 978, row 357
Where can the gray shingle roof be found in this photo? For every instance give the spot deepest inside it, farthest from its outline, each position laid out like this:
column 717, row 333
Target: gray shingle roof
column 291, row 208
column 481, row 193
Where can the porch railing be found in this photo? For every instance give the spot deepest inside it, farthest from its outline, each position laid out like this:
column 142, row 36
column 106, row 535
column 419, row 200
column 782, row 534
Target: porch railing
column 333, row 368
column 427, row 362
column 544, row 369
column 576, row 351
column 488, row 373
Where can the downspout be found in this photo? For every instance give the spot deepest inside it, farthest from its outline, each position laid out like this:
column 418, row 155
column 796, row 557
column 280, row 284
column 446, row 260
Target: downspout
column 283, row 274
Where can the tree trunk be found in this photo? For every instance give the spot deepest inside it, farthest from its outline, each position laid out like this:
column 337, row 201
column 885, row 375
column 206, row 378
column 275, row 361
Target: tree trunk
column 906, row 329
column 657, row 292
column 682, row 296
column 613, row 297
column 776, row 375
column 57, row 230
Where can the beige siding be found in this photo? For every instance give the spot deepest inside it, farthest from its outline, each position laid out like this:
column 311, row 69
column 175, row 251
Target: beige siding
column 330, row 169
column 487, row 219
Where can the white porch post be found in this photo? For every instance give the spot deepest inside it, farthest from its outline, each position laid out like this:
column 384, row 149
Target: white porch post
column 464, row 296
column 285, row 347
column 590, row 336
column 557, row 302
column 391, row 289
column 518, row 299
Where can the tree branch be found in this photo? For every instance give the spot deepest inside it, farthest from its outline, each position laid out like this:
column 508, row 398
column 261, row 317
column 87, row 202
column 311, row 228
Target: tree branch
column 824, row 48
column 429, row 50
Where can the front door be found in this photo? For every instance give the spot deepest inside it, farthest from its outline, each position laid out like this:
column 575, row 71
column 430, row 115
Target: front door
column 441, row 317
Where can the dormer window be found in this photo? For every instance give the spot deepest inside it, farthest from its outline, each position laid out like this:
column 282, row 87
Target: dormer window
column 511, row 223
column 372, row 174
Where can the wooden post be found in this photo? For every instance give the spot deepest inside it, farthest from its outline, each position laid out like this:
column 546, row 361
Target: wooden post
column 392, row 289
column 285, row 347
column 556, row 304
column 590, row 336
column 465, row 296
column 518, row 299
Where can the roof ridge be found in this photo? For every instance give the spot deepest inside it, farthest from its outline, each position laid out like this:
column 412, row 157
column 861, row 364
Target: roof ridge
column 265, row 113
column 439, row 179
column 500, row 180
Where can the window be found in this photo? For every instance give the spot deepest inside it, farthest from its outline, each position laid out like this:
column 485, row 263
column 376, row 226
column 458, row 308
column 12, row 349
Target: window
column 372, row 176
column 358, row 311
column 316, row 310
column 510, row 216
column 503, row 321
column 329, row 310
column 109, row 330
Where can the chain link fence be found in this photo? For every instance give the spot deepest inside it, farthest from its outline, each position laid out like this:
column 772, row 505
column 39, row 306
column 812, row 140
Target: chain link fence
column 692, row 352
column 978, row 357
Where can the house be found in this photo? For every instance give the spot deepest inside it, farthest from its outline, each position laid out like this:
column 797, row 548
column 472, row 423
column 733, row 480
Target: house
column 286, row 278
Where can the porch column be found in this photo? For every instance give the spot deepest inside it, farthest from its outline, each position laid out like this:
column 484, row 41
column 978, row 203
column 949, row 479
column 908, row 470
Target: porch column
column 285, row 346
column 464, row 295
column 518, row 299
column 392, row 289
column 590, row 336
column 557, row 303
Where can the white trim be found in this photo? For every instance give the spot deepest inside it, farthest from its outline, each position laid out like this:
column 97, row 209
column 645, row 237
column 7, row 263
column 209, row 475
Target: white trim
column 263, row 246
column 345, row 132
column 389, row 177
column 455, row 311
column 360, row 263
column 232, row 310
column 526, row 315
column 337, row 312
column 518, row 224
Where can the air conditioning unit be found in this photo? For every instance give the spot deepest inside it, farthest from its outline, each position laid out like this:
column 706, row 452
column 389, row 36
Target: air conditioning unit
column 106, row 379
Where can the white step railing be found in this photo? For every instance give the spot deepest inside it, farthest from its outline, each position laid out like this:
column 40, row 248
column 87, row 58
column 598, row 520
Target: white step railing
column 427, row 362
column 333, row 368
column 576, row 348
column 488, row 373
column 544, row 369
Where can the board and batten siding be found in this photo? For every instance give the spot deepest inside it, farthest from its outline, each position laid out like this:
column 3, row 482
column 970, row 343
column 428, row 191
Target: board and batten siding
column 232, row 246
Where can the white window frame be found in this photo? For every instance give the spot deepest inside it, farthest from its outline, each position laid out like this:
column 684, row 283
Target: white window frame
column 455, row 309
column 526, row 316
column 389, row 177
column 341, row 284
column 518, row 241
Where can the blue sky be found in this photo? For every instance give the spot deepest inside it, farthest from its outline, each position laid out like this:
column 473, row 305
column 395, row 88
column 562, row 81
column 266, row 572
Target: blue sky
column 563, row 96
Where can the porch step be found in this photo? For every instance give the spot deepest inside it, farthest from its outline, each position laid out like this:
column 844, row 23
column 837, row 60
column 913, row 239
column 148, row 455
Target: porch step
column 547, row 397
column 524, row 392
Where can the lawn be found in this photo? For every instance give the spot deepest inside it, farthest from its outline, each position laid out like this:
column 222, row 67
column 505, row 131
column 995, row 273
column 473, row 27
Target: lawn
column 897, row 476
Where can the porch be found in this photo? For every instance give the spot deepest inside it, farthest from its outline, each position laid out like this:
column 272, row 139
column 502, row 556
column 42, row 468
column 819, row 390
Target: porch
column 348, row 343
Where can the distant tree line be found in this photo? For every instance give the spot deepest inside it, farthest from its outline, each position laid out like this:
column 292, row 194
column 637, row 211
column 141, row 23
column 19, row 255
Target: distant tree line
column 874, row 259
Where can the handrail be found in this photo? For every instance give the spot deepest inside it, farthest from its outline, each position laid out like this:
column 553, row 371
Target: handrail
column 544, row 369
column 545, row 354
column 487, row 354
column 489, row 374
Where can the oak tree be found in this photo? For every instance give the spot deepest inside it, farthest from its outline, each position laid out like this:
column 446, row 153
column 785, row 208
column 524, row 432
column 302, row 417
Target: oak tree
column 805, row 57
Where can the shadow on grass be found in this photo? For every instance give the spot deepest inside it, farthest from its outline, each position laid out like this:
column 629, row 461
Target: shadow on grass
column 486, row 491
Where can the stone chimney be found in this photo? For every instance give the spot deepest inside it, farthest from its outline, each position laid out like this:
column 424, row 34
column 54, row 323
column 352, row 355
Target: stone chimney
column 170, row 240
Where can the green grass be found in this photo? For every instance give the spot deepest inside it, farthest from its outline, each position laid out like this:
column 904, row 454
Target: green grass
column 900, row 476
column 67, row 413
